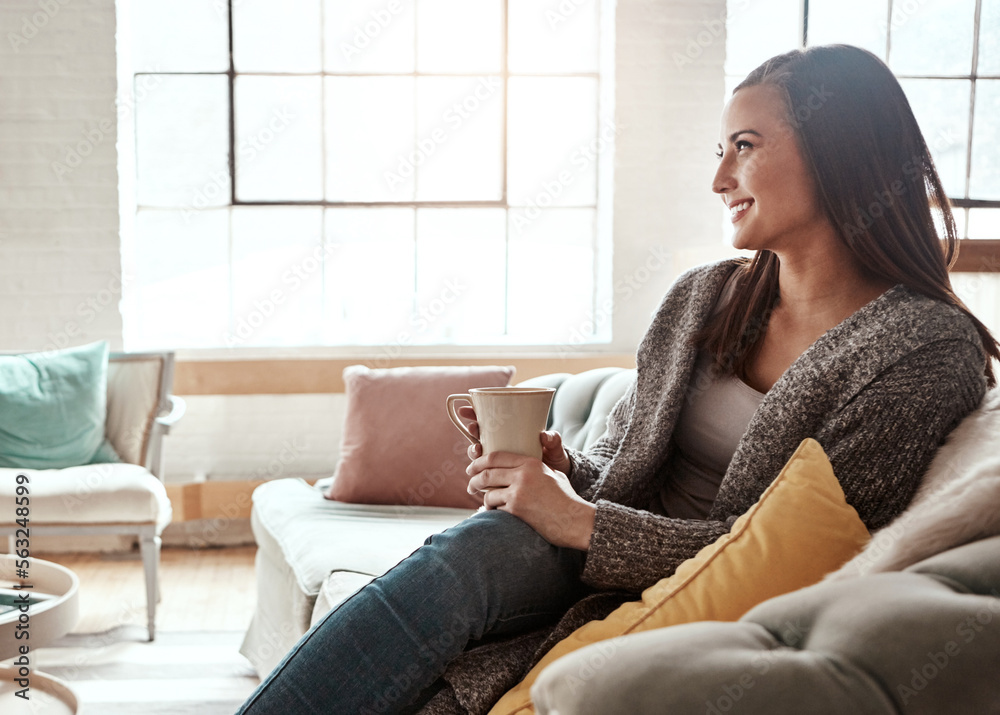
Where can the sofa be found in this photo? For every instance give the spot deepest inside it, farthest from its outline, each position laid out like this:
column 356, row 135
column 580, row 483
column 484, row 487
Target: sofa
column 922, row 641
column 313, row 552
column 907, row 625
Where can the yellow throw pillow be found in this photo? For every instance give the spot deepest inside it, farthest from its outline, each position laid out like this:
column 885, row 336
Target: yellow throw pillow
column 800, row 529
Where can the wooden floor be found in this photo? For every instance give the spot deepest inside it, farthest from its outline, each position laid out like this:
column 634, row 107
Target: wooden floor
column 202, row 590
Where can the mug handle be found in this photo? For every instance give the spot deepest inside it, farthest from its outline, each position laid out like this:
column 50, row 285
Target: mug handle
column 452, row 399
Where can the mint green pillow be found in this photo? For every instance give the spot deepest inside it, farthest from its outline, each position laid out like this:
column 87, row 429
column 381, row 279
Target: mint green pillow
column 53, row 407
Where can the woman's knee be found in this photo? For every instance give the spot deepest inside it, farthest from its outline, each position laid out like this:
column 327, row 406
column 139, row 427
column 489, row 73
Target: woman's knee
column 498, row 553
column 494, row 538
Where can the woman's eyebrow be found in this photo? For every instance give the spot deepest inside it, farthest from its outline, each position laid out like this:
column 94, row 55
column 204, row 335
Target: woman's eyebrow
column 734, row 135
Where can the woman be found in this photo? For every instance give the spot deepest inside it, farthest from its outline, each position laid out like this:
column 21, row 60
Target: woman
column 843, row 328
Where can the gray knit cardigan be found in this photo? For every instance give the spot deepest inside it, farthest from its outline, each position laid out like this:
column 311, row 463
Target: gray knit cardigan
column 880, row 392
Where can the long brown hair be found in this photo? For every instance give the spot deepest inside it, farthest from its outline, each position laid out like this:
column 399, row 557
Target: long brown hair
column 876, row 182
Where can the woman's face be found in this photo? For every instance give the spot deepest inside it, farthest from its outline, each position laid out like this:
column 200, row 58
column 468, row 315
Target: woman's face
column 762, row 176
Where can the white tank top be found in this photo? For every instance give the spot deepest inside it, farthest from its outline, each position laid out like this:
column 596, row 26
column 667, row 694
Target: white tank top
column 709, row 428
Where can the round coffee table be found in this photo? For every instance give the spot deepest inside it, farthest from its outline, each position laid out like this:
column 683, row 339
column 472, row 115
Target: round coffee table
column 48, row 619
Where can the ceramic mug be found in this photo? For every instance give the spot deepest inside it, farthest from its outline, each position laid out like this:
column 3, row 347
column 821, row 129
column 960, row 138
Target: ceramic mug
column 510, row 418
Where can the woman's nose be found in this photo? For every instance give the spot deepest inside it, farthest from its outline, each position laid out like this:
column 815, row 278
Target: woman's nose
column 724, row 180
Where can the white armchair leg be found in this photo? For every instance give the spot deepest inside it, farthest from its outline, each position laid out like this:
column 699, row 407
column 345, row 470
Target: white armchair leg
column 150, row 546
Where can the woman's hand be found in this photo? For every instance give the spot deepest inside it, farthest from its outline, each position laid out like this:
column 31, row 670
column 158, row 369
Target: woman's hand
column 539, row 495
column 553, row 453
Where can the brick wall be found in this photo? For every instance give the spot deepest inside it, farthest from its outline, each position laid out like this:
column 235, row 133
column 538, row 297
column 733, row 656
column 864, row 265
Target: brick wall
column 60, row 275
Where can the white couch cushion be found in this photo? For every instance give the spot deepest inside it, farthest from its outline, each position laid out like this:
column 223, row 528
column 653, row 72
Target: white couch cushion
column 338, row 587
column 316, row 535
column 91, row 494
column 302, row 537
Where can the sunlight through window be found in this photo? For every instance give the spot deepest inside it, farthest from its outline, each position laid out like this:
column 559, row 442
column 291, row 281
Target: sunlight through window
column 379, row 172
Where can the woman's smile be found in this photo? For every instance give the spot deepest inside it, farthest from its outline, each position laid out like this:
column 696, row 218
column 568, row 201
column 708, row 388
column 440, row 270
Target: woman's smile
column 738, row 209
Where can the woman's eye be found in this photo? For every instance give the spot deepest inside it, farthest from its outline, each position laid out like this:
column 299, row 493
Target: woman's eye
column 741, row 145
column 718, row 154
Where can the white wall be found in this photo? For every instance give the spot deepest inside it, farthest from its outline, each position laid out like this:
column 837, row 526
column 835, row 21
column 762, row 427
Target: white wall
column 669, row 79
column 59, row 245
column 60, row 275
column 255, row 437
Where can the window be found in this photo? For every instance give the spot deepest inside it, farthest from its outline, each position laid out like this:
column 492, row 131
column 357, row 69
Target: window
column 946, row 54
column 387, row 172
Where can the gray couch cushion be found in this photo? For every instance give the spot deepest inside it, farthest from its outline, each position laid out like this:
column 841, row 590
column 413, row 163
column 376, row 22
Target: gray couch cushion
column 924, row 641
column 975, row 566
column 583, row 402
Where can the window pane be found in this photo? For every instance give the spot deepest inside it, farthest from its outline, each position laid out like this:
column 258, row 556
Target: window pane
column 278, row 138
column 369, row 138
column 368, row 36
column 461, row 274
column 273, row 36
column 180, row 36
column 182, row 278
column 854, row 22
column 459, row 130
column 553, row 145
column 961, row 220
column 549, row 305
column 932, row 37
column 182, row 143
column 984, row 223
column 981, row 293
column 756, row 30
column 459, row 36
column 277, row 276
column 985, row 180
column 940, row 106
column 989, row 38
column 369, row 276
column 547, row 37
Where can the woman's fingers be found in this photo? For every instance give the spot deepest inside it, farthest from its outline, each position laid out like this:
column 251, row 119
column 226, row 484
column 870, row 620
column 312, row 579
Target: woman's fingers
column 486, row 481
column 498, row 460
column 495, row 470
column 553, row 452
column 468, row 413
column 551, row 443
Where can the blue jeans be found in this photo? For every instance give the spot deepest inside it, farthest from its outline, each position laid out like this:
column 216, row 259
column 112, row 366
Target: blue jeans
column 492, row 574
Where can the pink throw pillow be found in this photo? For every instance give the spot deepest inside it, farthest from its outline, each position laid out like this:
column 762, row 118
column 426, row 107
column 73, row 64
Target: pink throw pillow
column 399, row 447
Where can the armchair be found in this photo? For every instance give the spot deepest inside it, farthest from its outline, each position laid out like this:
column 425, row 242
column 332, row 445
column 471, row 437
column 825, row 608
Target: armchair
column 115, row 498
